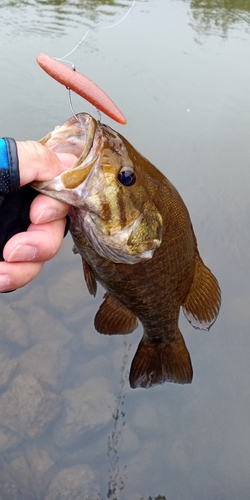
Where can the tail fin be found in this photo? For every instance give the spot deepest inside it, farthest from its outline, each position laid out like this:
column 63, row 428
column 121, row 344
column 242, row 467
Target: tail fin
column 156, row 363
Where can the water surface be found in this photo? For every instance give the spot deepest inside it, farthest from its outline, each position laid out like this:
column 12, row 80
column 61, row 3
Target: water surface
column 180, row 72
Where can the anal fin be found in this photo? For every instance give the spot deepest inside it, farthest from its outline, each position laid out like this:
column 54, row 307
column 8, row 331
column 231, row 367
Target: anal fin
column 114, row 319
column 202, row 304
column 156, row 363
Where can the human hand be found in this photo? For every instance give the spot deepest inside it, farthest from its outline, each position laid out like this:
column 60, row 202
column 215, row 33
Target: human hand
column 26, row 252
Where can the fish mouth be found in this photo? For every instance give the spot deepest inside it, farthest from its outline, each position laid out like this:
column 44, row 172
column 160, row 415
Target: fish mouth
column 82, row 136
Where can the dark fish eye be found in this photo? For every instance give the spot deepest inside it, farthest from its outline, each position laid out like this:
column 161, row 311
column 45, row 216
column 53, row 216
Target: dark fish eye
column 126, row 176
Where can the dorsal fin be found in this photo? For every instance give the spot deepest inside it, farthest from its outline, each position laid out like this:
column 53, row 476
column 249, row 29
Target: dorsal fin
column 113, row 318
column 202, row 304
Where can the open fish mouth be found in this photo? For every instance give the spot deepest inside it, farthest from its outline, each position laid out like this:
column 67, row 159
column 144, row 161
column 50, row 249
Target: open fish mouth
column 75, row 136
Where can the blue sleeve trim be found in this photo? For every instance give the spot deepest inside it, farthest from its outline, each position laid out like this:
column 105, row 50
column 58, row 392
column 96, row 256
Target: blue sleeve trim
column 9, row 166
column 4, row 159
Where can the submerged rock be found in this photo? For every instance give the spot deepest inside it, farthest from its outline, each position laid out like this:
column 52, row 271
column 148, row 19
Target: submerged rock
column 26, row 477
column 64, row 294
column 89, row 407
column 28, row 296
column 44, row 326
column 75, row 483
column 27, row 409
column 12, row 326
column 48, row 362
column 7, row 368
column 8, row 439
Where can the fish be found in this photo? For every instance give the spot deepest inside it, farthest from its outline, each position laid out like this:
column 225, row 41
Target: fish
column 134, row 234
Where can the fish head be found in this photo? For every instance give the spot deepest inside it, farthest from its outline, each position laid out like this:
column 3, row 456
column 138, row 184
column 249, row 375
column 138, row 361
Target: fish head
column 110, row 187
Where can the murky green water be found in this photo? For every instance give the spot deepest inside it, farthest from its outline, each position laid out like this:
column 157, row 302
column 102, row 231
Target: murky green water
column 70, row 426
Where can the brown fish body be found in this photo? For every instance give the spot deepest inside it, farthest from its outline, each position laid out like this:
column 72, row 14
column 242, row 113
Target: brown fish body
column 147, row 288
column 155, row 272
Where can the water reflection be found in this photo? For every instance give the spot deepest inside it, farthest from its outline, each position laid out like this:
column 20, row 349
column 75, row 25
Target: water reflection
column 55, row 17
column 219, row 16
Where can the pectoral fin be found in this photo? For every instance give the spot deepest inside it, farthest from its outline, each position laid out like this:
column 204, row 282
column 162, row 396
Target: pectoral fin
column 89, row 278
column 114, row 319
column 202, row 304
column 156, row 363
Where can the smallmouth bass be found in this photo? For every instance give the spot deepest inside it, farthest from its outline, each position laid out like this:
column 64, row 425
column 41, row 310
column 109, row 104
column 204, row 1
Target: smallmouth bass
column 134, row 234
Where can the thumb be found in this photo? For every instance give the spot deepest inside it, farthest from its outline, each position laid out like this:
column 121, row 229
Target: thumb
column 67, row 160
column 36, row 162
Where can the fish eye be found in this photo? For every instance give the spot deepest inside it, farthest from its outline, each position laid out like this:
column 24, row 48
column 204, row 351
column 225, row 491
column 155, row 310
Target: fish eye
column 127, row 176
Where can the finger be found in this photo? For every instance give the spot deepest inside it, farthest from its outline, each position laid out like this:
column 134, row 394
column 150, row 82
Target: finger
column 67, row 160
column 44, row 209
column 38, row 244
column 45, row 163
column 17, row 275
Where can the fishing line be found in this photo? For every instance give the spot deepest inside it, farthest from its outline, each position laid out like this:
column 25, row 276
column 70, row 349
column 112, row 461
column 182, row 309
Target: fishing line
column 94, row 29
column 63, row 59
column 71, row 105
column 70, row 100
column 72, row 109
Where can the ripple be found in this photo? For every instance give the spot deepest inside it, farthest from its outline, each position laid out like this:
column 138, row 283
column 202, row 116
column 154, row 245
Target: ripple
column 55, row 17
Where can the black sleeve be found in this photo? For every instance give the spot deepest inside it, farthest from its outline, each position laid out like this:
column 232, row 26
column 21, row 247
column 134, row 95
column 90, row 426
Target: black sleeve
column 14, row 214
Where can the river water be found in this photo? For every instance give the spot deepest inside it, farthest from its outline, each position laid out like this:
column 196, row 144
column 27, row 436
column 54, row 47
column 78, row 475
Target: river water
column 70, row 426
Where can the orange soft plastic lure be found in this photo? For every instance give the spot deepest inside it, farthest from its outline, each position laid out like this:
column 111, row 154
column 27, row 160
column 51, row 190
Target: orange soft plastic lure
column 82, row 85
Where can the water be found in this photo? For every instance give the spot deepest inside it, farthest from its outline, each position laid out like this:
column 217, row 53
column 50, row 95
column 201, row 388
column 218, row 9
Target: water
column 70, row 426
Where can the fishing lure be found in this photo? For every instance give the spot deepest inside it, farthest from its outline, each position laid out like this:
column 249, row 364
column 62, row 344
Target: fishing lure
column 82, row 85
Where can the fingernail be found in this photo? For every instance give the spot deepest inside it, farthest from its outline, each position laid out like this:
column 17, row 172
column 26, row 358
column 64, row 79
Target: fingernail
column 4, row 282
column 46, row 215
column 22, row 252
